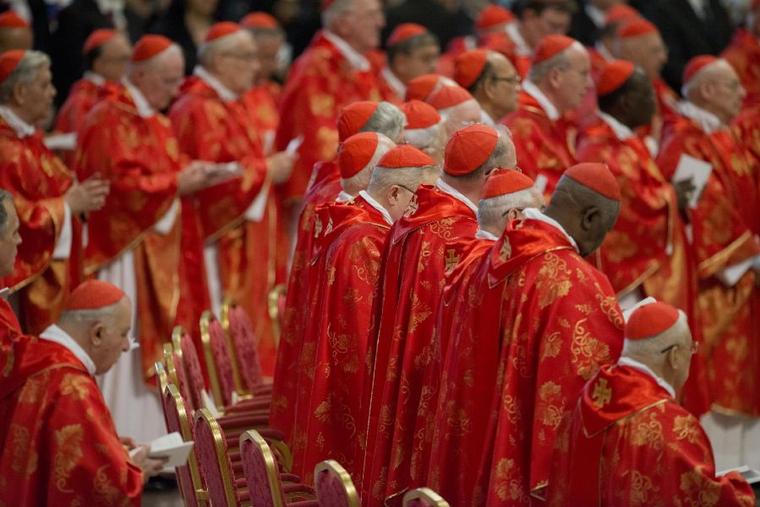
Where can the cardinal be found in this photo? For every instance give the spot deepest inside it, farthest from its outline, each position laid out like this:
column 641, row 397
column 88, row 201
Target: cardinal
column 411, row 52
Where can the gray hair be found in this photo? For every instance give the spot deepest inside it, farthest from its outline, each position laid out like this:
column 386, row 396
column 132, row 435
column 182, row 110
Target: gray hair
column 387, row 119
column 25, row 73
column 491, row 211
column 701, row 76
column 360, row 180
column 96, row 315
column 409, row 177
column 426, row 138
column 335, row 10
column 156, row 60
column 539, row 71
column 492, row 162
column 207, row 50
column 4, row 196
column 653, row 347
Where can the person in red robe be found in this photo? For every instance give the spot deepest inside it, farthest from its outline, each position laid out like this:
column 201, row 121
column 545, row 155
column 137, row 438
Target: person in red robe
column 332, row 73
column 325, row 187
column 424, row 129
column 49, row 201
column 222, row 230
column 134, row 240
column 15, row 32
column 59, row 444
column 348, row 279
column 457, row 108
column 558, row 82
column 10, row 239
column 725, row 222
column 545, row 321
column 424, row 86
column 628, row 442
column 491, row 79
column 422, row 248
column 412, row 51
column 744, row 54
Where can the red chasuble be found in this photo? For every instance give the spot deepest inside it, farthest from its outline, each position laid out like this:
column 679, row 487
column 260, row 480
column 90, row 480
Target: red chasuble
column 423, row 247
column 345, row 292
column 211, row 129
column 725, row 227
column 744, row 56
column 140, row 158
column 558, row 323
column 38, row 181
column 323, row 189
column 542, row 144
column 628, row 443
column 320, row 84
column 59, row 443
column 83, row 96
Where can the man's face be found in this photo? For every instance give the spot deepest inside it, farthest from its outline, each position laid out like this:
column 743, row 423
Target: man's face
column 36, row 98
column 237, row 66
column 575, row 80
column 548, row 22
column 727, row 94
column 163, row 80
column 9, row 238
column 641, row 100
column 646, row 51
column 502, row 85
column 113, row 59
column 111, row 337
column 15, row 38
column 421, row 60
column 268, row 47
column 365, row 20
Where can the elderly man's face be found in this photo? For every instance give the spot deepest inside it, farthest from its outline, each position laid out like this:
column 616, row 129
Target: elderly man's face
column 503, row 85
column 113, row 59
column 267, row 49
column 421, row 60
column 237, row 66
column 726, row 94
column 9, row 238
column 575, row 80
column 365, row 20
column 111, row 337
column 36, row 98
column 163, row 79
column 646, row 51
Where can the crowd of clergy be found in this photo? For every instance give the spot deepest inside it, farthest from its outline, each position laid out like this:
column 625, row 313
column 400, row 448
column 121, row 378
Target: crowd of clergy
column 518, row 272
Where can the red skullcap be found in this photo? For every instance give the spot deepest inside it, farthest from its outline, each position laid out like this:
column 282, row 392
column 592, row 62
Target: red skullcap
column 149, row 46
column 469, row 66
column 9, row 60
column 596, row 177
column 404, row 32
column 449, row 96
column 505, row 181
column 419, row 115
column 222, row 29
column 97, row 39
column 422, row 86
column 619, row 13
column 493, row 15
column 356, row 152
column 696, row 64
column 500, row 42
column 551, row 46
column 404, row 156
column 636, row 28
column 468, row 149
column 10, row 19
column 353, row 117
column 93, row 295
column 259, row 20
column 650, row 320
column 613, row 76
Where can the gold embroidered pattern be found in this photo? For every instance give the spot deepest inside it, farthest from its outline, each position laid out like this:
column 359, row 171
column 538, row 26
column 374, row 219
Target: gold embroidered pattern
column 452, row 259
column 641, row 489
column 24, row 458
column 588, row 353
column 68, row 442
column 602, row 393
column 74, row 386
column 685, row 428
column 552, row 406
column 695, row 485
column 552, row 281
column 552, row 346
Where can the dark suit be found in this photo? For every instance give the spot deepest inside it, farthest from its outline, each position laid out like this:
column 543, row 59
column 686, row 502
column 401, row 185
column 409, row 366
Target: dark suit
column 583, row 28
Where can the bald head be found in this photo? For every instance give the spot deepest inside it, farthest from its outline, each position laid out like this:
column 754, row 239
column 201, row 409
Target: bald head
column 564, row 78
column 232, row 60
column 16, row 38
column 717, row 89
column 160, row 77
column 646, row 51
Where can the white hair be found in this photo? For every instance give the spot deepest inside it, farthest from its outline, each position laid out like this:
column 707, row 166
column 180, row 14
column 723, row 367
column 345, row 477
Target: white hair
column 491, row 211
column 387, row 119
column 561, row 60
column 360, row 180
column 700, row 77
column 334, row 11
column 96, row 315
column 409, row 177
column 653, row 347
column 447, row 113
column 24, row 73
column 157, row 60
column 426, row 138
column 207, row 50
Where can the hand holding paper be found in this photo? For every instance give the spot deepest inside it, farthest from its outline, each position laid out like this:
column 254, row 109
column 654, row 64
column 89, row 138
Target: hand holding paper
column 698, row 171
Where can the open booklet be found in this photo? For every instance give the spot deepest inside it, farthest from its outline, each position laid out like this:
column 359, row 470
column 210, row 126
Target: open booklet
column 698, row 171
column 751, row 475
column 169, row 446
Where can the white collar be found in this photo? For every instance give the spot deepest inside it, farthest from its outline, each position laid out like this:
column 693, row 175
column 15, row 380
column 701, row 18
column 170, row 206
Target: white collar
column 484, row 234
column 94, row 78
column 355, row 58
column 344, row 196
column 621, row 131
column 379, row 207
column 632, row 363
column 521, row 45
column 535, row 214
column 57, row 335
column 224, row 93
column 602, row 50
column 394, row 82
column 141, row 103
column 596, row 15
column 706, row 120
column 456, row 194
column 22, row 128
column 534, row 91
column 486, row 119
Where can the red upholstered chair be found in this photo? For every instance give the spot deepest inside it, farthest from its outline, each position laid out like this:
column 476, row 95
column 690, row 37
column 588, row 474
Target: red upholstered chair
column 334, row 486
column 186, row 359
column 424, row 497
column 218, row 360
column 215, row 465
column 243, row 343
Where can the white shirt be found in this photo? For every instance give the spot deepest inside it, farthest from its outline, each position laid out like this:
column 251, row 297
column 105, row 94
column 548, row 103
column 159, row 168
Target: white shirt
column 344, row 196
column 484, row 234
column 602, row 50
column 456, row 194
column 394, row 82
column 632, row 363
column 622, row 132
column 224, row 93
column 535, row 214
column 486, row 119
column 534, row 91
column 141, row 103
column 706, row 120
column 22, row 128
column 354, row 58
column 57, row 335
column 597, row 15
column 521, row 45
column 379, row 207
column 94, row 78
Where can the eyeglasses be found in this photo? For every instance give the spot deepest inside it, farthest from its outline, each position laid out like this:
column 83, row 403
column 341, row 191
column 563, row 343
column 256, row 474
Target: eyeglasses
column 513, row 80
column 694, row 348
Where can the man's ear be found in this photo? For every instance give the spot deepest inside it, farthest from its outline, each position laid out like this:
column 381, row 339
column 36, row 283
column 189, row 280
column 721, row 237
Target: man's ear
column 393, row 194
column 590, row 219
column 96, row 334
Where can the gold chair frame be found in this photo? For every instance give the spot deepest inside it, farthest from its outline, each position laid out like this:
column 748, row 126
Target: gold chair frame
column 208, row 355
column 224, row 319
column 222, row 461
column 426, row 494
column 337, row 469
column 273, row 476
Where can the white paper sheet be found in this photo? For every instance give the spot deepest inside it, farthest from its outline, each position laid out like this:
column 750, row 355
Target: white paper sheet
column 698, row 171
column 171, row 447
column 752, row 476
column 61, row 141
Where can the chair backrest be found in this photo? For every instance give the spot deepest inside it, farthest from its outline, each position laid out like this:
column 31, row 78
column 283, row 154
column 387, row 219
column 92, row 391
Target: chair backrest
column 188, row 476
column 216, row 469
column 176, row 375
column 261, row 472
column 276, row 309
column 334, row 485
column 218, row 359
column 424, row 497
column 235, row 357
column 245, row 343
column 186, row 359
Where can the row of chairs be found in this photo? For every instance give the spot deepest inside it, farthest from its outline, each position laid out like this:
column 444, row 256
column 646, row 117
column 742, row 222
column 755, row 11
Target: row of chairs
column 237, row 460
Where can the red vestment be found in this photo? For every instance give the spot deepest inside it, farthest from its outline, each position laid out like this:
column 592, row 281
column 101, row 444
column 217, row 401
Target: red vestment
column 345, row 289
column 83, row 96
column 38, row 181
column 744, row 56
column 628, row 443
column 558, row 323
column 725, row 225
column 423, row 247
column 140, row 157
column 59, row 443
column 541, row 143
column 388, row 92
column 321, row 82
